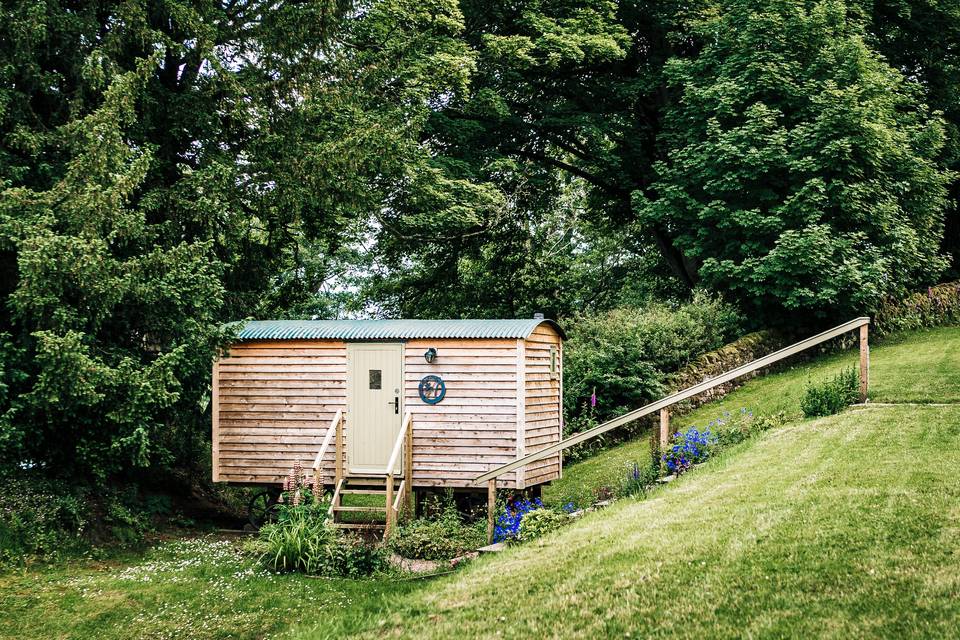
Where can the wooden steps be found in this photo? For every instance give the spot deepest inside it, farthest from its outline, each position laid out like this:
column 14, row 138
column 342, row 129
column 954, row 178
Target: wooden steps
column 373, row 515
column 364, row 526
column 358, row 509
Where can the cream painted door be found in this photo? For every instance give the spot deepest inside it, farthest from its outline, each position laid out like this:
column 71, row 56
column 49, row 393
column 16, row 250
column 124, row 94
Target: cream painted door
column 375, row 409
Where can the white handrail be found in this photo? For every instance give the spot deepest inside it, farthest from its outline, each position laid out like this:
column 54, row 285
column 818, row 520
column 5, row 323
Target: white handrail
column 398, row 445
column 327, row 439
column 662, row 403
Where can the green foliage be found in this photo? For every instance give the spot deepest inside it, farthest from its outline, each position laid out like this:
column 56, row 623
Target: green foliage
column 440, row 536
column 803, row 170
column 540, row 522
column 302, row 540
column 831, row 396
column 45, row 520
column 743, row 425
column 167, row 167
column 625, row 355
column 39, row 519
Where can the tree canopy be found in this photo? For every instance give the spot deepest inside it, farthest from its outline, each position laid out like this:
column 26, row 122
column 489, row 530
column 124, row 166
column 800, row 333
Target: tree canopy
column 169, row 166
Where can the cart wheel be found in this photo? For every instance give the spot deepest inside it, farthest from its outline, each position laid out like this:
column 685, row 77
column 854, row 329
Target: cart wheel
column 262, row 507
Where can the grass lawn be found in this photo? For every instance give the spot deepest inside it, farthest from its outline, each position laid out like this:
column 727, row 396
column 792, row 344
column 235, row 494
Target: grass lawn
column 922, row 366
column 847, row 526
column 195, row 588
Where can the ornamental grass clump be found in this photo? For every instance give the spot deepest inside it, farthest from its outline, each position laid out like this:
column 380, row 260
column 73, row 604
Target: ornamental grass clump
column 301, row 538
column 304, row 542
column 639, row 478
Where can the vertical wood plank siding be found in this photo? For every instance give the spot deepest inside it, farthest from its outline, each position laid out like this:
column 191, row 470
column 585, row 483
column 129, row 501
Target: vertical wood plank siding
column 276, row 401
column 474, row 428
column 542, row 403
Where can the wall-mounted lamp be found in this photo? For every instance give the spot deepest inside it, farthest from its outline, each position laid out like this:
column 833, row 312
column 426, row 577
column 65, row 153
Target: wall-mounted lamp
column 430, row 355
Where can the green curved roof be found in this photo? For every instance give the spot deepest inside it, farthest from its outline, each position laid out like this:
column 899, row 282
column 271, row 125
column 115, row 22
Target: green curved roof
column 390, row 329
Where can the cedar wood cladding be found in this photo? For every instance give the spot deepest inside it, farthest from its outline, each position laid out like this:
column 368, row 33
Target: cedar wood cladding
column 275, row 399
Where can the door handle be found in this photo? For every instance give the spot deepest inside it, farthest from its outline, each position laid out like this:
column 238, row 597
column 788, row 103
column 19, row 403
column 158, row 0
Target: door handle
column 396, row 404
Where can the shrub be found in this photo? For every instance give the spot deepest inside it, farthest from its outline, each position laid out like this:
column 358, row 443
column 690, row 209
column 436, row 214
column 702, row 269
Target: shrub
column 623, row 358
column 539, row 522
column 439, row 537
column 45, row 519
column 831, row 396
column 40, row 518
column 507, row 526
column 350, row 556
column 688, row 448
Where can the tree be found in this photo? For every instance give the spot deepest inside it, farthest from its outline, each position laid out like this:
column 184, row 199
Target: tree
column 801, row 171
column 534, row 168
column 921, row 38
column 168, row 166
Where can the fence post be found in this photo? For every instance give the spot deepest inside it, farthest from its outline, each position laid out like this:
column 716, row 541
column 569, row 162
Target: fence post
column 491, row 507
column 864, row 362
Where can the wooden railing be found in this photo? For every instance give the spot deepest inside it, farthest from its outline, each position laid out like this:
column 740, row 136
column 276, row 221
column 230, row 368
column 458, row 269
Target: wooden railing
column 404, row 441
column 663, row 404
column 332, row 430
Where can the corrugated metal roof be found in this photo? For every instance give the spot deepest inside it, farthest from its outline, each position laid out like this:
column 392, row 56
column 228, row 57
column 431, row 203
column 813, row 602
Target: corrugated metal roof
column 389, row 329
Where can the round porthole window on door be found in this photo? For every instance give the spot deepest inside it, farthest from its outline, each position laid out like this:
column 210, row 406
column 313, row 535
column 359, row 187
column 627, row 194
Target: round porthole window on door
column 432, row 389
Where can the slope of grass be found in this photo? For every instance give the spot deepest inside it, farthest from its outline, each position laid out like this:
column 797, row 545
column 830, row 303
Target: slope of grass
column 193, row 588
column 847, row 526
column 922, row 366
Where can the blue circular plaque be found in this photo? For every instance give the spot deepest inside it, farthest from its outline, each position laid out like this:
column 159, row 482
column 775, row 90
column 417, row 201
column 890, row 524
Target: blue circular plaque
column 432, row 389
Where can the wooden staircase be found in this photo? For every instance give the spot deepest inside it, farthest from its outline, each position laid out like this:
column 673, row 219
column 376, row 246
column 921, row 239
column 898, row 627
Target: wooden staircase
column 391, row 491
column 369, row 511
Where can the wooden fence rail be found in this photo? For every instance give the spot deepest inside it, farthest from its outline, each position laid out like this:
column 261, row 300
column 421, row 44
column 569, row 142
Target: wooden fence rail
column 662, row 405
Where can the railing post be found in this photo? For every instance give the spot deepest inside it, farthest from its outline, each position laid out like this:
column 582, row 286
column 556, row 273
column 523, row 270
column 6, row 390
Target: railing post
column 408, row 466
column 389, row 511
column 491, row 507
column 864, row 362
column 664, row 428
column 338, row 463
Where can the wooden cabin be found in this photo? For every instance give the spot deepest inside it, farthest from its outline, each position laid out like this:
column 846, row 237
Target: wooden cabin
column 428, row 403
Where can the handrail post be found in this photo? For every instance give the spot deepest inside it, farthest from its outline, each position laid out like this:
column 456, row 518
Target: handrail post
column 338, row 463
column 864, row 362
column 664, row 428
column 408, row 464
column 491, row 507
column 389, row 523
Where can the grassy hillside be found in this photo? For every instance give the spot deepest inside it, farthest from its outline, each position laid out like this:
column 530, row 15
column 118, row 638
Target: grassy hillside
column 920, row 367
column 848, row 526
column 837, row 527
